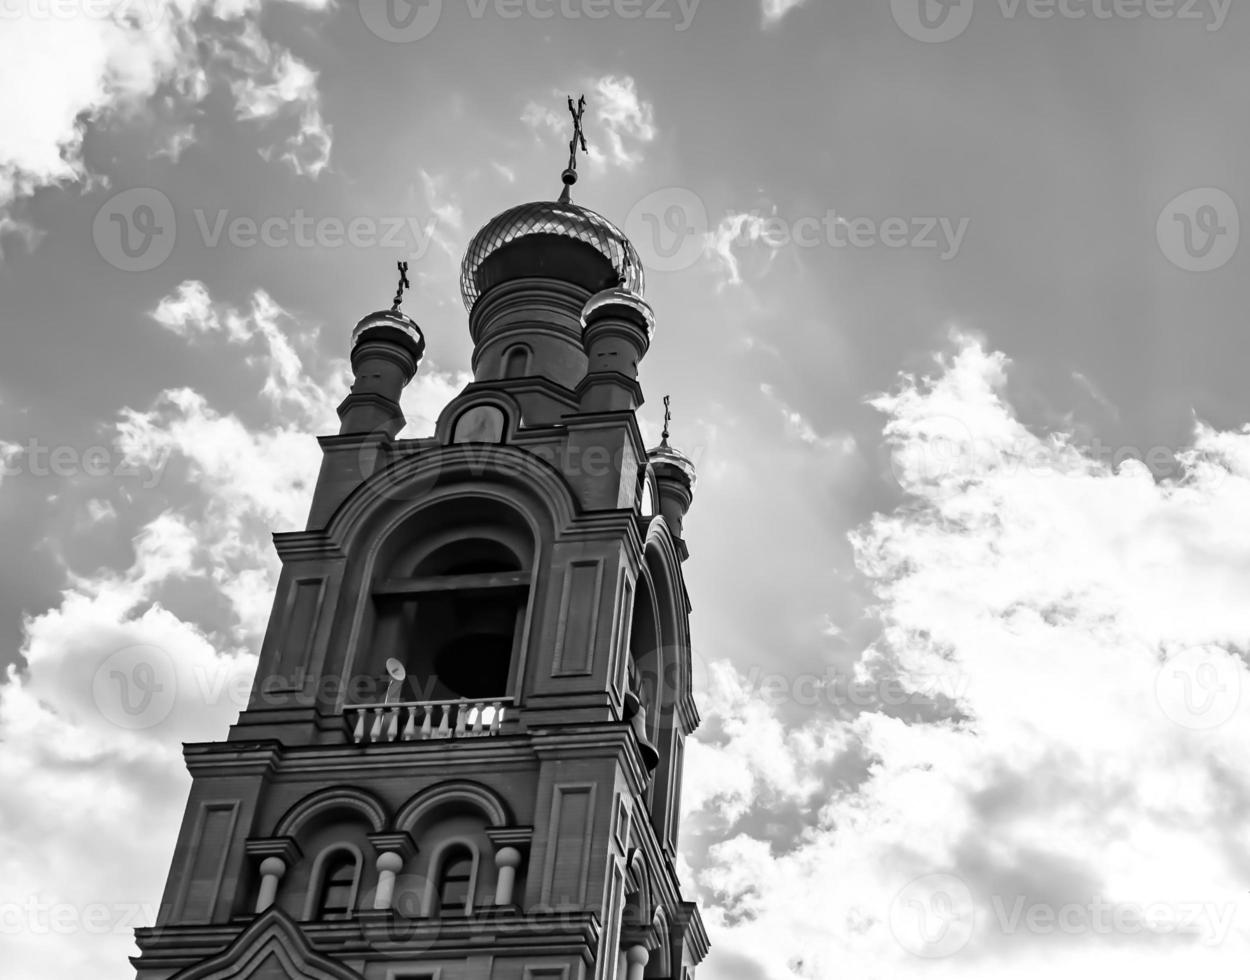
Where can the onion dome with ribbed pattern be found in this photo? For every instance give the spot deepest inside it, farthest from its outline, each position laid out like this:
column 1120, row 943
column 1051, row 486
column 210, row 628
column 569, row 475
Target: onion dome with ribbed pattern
column 552, row 239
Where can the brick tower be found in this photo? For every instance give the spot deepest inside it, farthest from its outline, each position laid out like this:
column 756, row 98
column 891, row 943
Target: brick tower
column 462, row 754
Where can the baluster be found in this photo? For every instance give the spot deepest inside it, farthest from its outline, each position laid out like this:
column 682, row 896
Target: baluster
column 496, row 717
column 378, row 717
column 478, row 711
column 392, row 723
column 410, row 726
column 444, row 726
column 358, row 734
column 462, row 715
column 427, row 724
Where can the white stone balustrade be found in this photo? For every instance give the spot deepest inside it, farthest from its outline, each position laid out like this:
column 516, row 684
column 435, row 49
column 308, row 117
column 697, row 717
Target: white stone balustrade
column 424, row 720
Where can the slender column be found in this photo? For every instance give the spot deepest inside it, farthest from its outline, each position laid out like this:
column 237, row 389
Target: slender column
column 389, row 865
column 636, row 957
column 507, row 860
column 271, row 869
column 393, row 850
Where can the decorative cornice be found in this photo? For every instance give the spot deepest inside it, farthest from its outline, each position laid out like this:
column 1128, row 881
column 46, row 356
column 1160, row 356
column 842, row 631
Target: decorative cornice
column 534, row 383
column 610, row 420
column 394, row 842
column 692, row 919
column 285, row 848
column 519, row 837
column 306, row 546
column 218, row 758
column 601, row 741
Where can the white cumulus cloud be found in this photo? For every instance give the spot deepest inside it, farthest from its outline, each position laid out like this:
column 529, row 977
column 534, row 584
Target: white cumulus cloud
column 1042, row 769
column 104, row 63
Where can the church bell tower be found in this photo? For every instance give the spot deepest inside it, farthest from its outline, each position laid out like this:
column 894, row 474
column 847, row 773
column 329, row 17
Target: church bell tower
column 462, row 754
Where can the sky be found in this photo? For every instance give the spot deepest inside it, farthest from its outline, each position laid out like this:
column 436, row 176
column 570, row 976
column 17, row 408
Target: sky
column 950, row 305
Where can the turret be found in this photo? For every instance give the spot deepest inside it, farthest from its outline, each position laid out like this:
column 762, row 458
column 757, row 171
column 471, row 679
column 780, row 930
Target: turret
column 617, row 327
column 675, row 479
column 386, row 352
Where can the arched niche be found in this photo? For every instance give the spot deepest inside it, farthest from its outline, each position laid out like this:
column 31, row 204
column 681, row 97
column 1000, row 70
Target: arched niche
column 516, row 361
column 448, row 821
column 325, row 826
column 451, row 600
column 480, row 424
column 649, row 495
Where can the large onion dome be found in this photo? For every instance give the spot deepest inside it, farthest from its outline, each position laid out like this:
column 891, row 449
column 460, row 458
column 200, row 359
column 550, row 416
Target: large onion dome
column 555, row 239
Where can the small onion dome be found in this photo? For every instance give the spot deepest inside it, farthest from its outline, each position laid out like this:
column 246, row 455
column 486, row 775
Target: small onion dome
column 559, row 240
column 626, row 302
column 393, row 326
column 669, row 462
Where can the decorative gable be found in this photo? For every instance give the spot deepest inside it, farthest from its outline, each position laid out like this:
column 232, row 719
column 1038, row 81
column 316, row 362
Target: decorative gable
column 271, row 948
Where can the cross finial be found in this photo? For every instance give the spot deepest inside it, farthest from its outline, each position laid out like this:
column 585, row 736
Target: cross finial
column 668, row 417
column 579, row 140
column 403, row 284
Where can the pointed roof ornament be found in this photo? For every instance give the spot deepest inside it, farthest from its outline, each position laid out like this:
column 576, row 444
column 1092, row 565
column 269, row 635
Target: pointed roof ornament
column 664, row 455
column 393, row 323
column 403, row 284
column 579, row 140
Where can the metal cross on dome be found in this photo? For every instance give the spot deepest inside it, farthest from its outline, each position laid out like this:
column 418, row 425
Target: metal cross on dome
column 579, row 140
column 403, row 284
column 668, row 417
